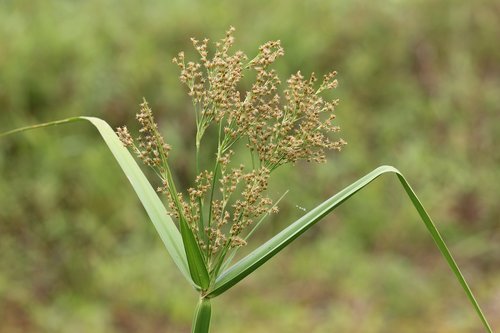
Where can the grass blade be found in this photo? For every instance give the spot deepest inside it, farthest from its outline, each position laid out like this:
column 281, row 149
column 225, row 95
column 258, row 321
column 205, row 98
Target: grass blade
column 151, row 202
column 195, row 260
column 269, row 249
column 154, row 207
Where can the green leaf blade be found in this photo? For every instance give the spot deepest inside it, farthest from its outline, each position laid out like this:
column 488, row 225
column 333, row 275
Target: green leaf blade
column 438, row 239
column 269, row 249
column 155, row 209
column 195, row 260
column 183, row 249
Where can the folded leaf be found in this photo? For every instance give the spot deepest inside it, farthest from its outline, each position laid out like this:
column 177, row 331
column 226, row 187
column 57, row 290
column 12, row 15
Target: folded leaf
column 154, row 207
column 196, row 264
column 269, row 249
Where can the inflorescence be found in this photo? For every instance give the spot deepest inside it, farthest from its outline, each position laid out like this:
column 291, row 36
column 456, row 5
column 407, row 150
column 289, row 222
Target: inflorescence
column 277, row 127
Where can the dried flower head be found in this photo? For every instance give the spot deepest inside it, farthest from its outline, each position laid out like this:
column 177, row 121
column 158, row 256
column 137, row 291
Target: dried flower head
column 279, row 126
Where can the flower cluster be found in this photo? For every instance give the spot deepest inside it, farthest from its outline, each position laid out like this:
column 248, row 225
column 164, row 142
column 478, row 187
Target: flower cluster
column 152, row 149
column 278, row 126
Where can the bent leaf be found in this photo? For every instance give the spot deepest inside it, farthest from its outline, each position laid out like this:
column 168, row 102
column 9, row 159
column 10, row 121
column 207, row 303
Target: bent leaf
column 154, row 207
column 269, row 249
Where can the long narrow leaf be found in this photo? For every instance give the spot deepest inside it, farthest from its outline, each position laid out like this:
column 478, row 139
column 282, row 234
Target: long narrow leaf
column 269, row 249
column 196, row 264
column 154, row 207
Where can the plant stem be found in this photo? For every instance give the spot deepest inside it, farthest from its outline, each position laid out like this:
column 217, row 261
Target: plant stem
column 201, row 223
column 202, row 315
column 214, row 182
column 212, row 189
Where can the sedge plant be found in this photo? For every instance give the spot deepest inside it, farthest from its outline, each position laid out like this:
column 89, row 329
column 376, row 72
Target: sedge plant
column 204, row 225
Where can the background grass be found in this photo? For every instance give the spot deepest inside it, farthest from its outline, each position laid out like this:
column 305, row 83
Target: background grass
column 419, row 83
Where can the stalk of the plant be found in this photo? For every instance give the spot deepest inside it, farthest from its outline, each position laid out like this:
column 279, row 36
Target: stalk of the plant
column 202, row 315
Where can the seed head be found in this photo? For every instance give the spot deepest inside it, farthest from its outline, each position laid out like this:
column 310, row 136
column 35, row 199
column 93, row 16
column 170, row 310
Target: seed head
column 280, row 123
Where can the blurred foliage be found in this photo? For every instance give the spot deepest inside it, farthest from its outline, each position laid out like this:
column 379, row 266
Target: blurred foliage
column 419, row 89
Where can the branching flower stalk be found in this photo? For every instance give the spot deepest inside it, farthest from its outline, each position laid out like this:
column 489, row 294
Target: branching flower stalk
column 278, row 126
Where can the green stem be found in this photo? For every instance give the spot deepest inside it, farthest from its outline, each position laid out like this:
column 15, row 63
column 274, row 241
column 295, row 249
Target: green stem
column 212, row 189
column 218, row 263
column 214, row 182
column 197, row 157
column 202, row 315
column 201, row 223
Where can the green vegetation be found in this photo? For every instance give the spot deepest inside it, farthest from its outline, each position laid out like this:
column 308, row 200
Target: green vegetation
column 63, row 269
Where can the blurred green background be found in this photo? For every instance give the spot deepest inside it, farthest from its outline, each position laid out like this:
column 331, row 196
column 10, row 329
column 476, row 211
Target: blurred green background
column 419, row 89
